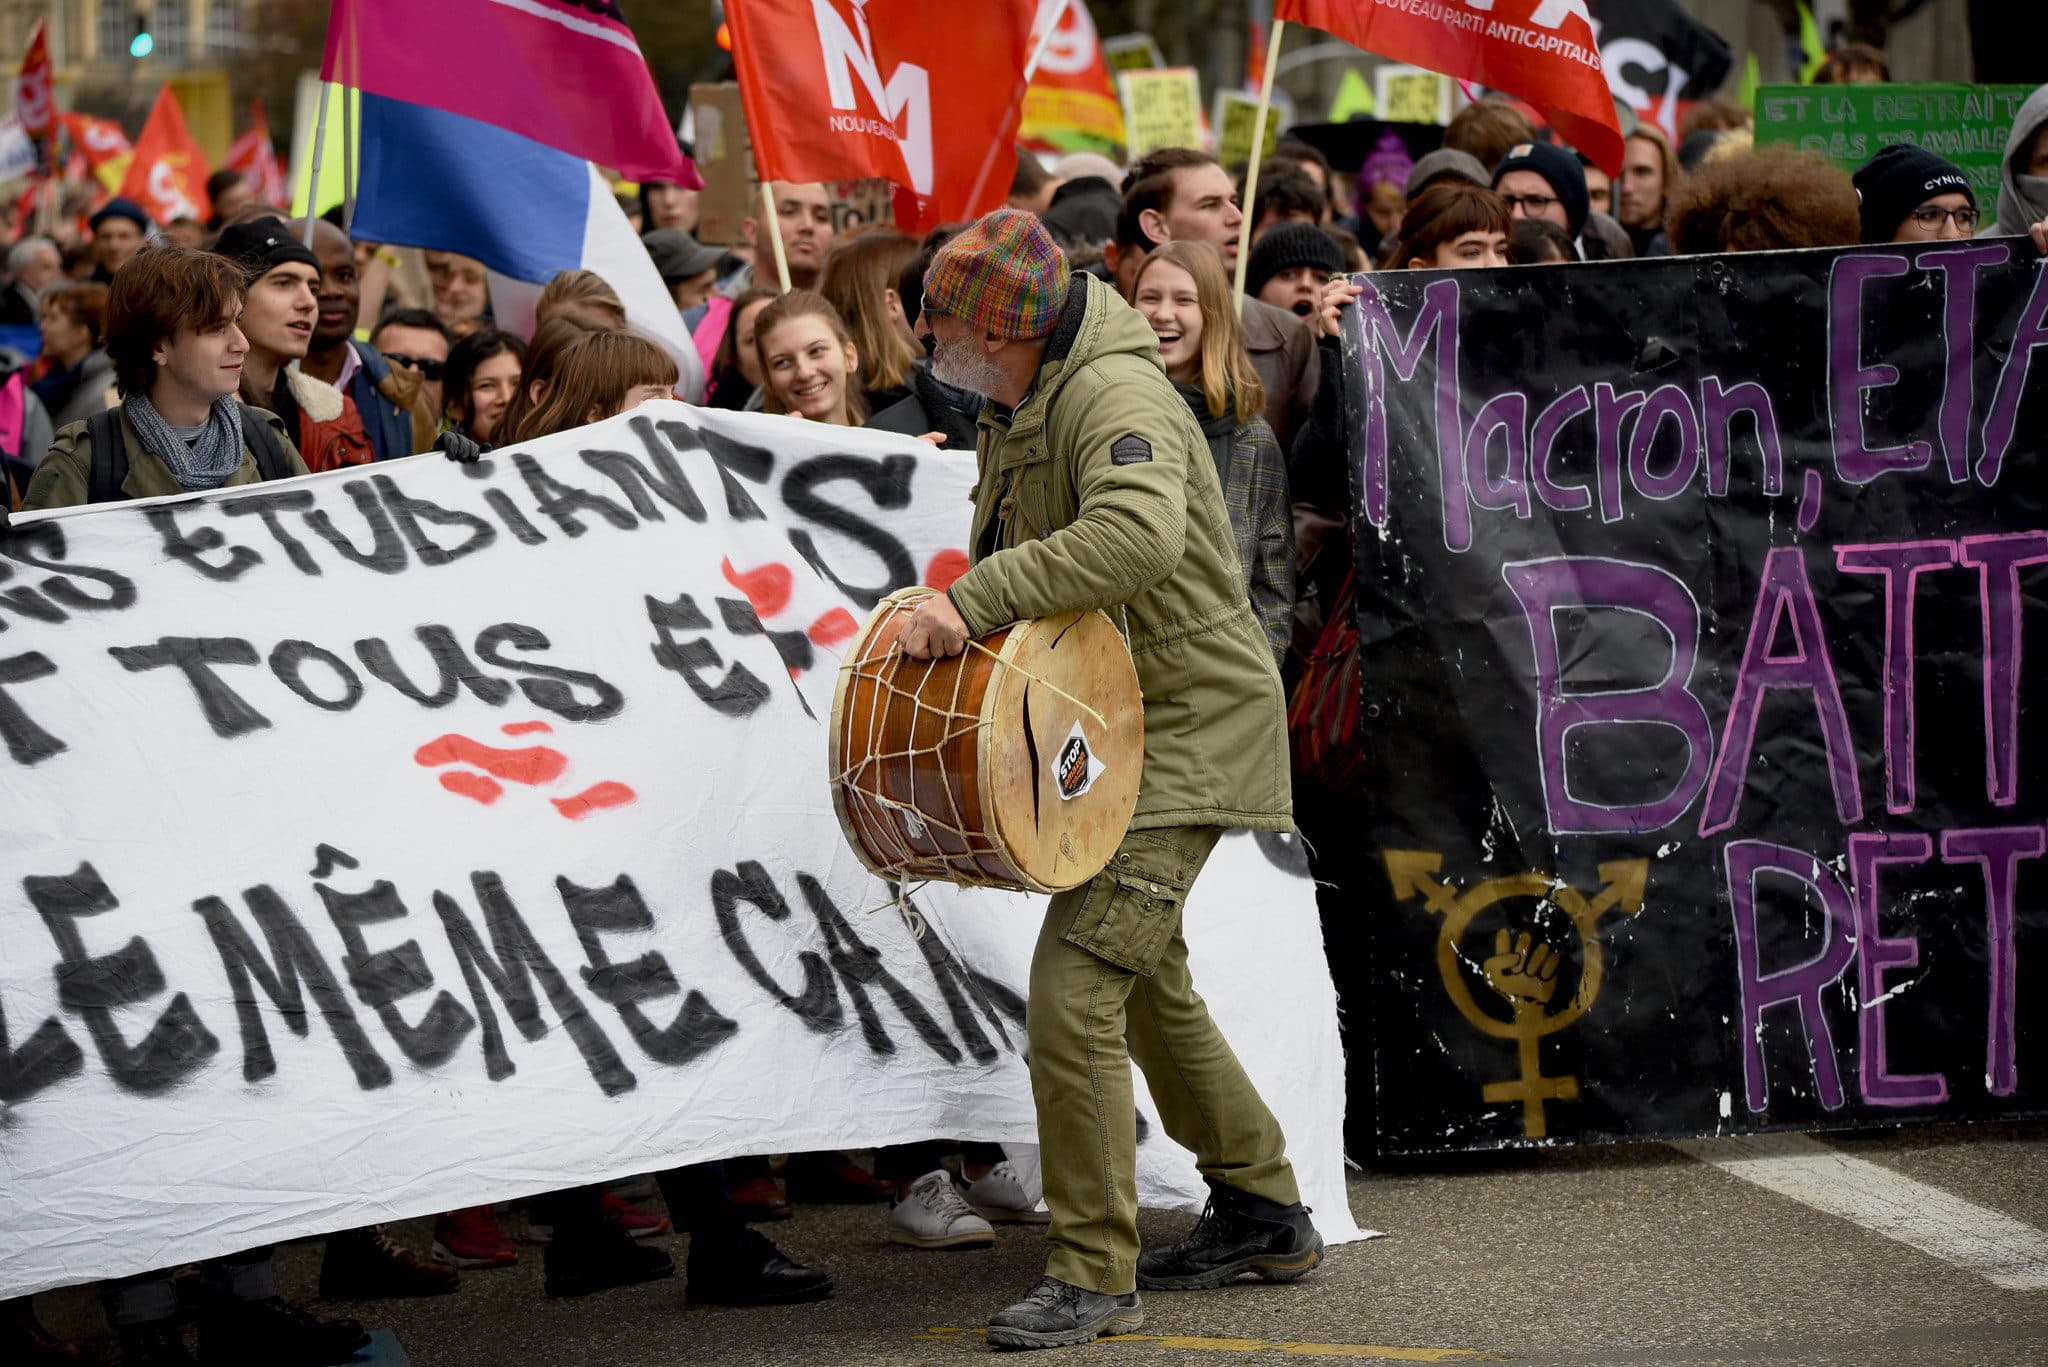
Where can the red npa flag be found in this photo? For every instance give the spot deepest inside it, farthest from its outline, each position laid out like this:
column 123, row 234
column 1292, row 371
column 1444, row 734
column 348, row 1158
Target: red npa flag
column 1540, row 50
column 35, row 95
column 852, row 89
column 168, row 175
column 255, row 156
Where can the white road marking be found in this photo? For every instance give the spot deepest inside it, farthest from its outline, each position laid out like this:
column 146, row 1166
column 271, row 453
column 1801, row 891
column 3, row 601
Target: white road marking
column 2002, row 1250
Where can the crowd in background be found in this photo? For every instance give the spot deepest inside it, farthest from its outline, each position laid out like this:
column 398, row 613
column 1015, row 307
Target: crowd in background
column 327, row 352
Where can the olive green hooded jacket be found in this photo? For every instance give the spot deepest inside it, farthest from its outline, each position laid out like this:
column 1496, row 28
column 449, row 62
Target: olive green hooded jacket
column 1098, row 492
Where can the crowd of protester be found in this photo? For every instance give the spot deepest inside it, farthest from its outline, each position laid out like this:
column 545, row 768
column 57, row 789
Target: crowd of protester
column 195, row 356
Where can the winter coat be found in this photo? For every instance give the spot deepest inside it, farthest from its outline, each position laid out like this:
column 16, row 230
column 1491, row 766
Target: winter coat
column 1254, row 481
column 76, row 394
column 2022, row 199
column 1098, row 492
column 323, row 421
column 394, row 412
column 64, row 479
column 929, row 408
column 1604, row 239
column 1283, row 354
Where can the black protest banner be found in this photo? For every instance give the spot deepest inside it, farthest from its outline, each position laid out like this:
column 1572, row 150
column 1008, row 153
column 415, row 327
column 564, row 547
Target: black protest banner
column 1702, row 609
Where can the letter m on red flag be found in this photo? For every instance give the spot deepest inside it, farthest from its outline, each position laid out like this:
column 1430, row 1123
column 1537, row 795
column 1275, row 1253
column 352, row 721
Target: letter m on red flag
column 859, row 89
column 1543, row 51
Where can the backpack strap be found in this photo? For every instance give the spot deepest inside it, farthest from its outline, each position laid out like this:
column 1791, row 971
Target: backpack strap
column 109, row 457
column 271, row 461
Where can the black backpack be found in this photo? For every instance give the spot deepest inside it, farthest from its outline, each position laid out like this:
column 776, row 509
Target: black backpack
column 110, row 452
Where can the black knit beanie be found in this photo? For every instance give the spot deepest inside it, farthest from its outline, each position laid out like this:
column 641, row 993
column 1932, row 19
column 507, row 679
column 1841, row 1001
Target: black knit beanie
column 262, row 245
column 1287, row 245
column 1898, row 180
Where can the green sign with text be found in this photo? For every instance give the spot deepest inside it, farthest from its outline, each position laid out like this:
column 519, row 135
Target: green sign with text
column 1847, row 124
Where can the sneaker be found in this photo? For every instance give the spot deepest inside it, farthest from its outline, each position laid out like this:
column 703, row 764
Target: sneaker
column 1238, row 1233
column 152, row 1345
column 637, row 1221
column 605, row 1258
column 470, row 1238
column 275, row 1333
column 1058, row 1314
column 935, row 1215
column 1002, row 1197
column 367, row 1264
column 746, row 1269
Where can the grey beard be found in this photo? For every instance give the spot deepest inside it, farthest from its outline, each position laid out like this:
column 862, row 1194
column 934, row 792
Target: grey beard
column 975, row 374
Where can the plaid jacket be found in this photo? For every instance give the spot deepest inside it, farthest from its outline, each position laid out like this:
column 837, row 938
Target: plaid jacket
column 1254, row 478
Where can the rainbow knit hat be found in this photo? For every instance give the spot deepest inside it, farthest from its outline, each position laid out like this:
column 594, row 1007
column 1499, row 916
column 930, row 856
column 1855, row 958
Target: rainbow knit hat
column 1003, row 276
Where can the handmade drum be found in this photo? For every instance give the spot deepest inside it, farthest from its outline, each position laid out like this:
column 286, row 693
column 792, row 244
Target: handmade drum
column 1014, row 765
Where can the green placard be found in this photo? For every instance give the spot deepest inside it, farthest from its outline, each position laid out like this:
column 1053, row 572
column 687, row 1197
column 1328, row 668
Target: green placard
column 1236, row 114
column 1847, row 124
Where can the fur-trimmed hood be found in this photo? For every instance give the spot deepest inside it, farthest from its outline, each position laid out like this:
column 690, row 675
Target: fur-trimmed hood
column 317, row 399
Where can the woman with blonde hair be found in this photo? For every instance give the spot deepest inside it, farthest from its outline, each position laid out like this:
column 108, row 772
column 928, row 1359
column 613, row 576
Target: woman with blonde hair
column 599, row 374
column 810, row 366
column 1182, row 292
column 582, row 295
column 860, row 281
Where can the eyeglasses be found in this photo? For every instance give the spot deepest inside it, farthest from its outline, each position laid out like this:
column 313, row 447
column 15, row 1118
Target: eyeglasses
column 1929, row 216
column 430, row 369
column 1535, row 206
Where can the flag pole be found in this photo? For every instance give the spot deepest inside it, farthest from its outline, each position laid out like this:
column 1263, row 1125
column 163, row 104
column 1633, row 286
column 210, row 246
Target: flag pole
column 313, row 172
column 1251, row 175
column 774, row 221
column 348, row 160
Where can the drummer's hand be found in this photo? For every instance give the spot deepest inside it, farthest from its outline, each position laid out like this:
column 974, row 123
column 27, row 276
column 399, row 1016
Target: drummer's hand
column 936, row 630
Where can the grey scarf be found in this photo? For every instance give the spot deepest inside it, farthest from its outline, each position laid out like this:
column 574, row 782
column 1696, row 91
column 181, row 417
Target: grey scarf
column 207, row 463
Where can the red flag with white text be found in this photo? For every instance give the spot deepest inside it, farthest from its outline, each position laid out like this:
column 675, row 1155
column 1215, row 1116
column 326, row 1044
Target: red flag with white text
column 255, row 156
column 1543, row 51
column 35, row 90
column 853, row 89
column 168, row 175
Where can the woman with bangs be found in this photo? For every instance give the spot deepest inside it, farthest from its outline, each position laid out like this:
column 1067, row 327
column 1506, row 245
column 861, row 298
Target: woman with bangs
column 1452, row 224
column 1182, row 292
column 601, row 375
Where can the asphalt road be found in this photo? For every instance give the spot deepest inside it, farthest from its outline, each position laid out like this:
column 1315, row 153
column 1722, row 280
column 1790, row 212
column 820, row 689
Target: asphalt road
column 1637, row 1255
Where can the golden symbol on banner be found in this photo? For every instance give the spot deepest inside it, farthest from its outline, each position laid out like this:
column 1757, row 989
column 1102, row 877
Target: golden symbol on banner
column 1522, row 970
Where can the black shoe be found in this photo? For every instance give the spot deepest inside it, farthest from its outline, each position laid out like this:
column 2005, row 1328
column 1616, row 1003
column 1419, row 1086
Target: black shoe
column 275, row 1333
column 1238, row 1233
column 368, row 1264
column 154, row 1345
column 604, row 1257
column 1058, row 1314
column 746, row 1269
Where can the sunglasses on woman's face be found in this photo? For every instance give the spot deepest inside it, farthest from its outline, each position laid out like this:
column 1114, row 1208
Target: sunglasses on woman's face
column 431, row 369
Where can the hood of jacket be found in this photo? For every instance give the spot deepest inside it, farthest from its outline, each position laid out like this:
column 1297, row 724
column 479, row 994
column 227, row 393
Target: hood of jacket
column 2022, row 200
column 1088, row 329
column 317, row 399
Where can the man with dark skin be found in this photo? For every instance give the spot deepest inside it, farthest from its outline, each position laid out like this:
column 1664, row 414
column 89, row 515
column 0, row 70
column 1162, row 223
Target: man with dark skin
column 395, row 415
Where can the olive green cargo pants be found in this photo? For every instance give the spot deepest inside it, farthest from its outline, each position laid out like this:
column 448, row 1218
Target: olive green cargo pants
column 1110, row 984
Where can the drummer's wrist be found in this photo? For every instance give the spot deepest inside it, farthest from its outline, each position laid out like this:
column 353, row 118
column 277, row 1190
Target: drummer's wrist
column 965, row 620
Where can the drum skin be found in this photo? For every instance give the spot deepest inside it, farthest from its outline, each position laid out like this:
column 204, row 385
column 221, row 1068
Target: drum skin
column 966, row 770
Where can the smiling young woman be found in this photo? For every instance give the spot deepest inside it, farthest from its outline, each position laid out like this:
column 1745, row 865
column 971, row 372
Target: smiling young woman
column 809, row 363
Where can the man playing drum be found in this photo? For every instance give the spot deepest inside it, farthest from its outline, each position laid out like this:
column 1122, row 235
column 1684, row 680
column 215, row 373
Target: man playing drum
column 1097, row 491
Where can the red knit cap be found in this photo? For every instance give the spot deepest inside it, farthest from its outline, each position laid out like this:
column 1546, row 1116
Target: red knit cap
column 1003, row 276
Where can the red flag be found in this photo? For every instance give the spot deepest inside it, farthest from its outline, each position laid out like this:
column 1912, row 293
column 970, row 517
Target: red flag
column 850, row 89
column 255, row 156
column 104, row 146
column 1541, row 50
column 1255, row 56
column 1072, row 104
column 35, row 95
column 168, row 175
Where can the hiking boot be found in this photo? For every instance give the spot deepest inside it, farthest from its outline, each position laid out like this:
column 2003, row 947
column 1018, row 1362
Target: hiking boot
column 367, row 1265
column 1238, row 1233
column 471, row 1238
column 637, row 1221
column 1059, row 1314
column 161, row 1344
column 275, row 1333
column 745, row 1269
column 1001, row 1196
column 935, row 1215
column 600, row 1259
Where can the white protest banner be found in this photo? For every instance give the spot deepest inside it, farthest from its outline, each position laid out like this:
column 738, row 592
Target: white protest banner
column 413, row 836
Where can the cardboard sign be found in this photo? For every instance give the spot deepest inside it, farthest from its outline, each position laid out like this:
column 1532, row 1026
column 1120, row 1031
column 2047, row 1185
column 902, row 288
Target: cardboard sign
column 405, row 838
column 1132, row 52
column 1702, row 604
column 725, row 158
column 1847, row 124
column 1162, row 108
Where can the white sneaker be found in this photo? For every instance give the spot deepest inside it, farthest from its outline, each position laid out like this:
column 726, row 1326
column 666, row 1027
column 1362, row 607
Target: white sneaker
column 1002, row 1195
column 934, row 1215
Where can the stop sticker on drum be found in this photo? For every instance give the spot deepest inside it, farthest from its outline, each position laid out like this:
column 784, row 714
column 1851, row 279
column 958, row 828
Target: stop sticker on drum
column 1075, row 768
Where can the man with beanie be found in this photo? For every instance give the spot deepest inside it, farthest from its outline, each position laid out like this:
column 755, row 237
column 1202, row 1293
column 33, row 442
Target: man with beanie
column 178, row 353
column 1290, row 266
column 1908, row 194
column 118, row 231
column 1540, row 180
column 1097, row 491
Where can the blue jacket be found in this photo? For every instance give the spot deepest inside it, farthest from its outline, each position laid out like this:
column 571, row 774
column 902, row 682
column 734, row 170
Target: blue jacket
column 384, row 398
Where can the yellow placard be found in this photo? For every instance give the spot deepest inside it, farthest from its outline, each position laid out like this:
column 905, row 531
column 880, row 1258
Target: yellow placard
column 1162, row 108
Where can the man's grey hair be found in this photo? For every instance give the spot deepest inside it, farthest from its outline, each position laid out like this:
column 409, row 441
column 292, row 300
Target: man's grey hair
column 23, row 254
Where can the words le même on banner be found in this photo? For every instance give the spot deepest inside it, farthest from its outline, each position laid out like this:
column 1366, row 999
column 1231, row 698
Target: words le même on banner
column 399, row 839
column 1705, row 616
